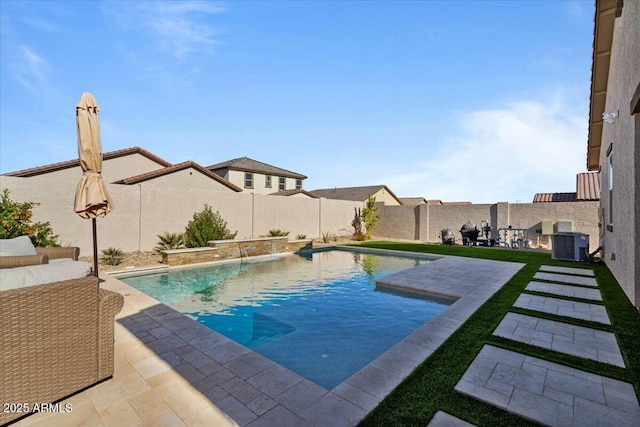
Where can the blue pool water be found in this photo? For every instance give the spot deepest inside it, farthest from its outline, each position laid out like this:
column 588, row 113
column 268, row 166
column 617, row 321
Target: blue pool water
column 320, row 314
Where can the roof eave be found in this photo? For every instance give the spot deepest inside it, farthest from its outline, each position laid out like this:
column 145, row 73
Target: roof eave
column 602, row 41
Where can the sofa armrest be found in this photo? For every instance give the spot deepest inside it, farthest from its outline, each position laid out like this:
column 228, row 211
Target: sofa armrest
column 60, row 252
column 109, row 304
column 23, row 260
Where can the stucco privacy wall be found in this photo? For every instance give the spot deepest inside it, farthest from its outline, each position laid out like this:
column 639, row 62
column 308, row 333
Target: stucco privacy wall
column 167, row 204
column 424, row 222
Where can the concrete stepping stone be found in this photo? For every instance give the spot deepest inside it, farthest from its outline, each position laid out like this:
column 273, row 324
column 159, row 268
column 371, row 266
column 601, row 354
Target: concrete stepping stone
column 547, row 392
column 567, row 270
column 562, row 337
column 442, row 419
column 564, row 278
column 561, row 307
column 565, row 290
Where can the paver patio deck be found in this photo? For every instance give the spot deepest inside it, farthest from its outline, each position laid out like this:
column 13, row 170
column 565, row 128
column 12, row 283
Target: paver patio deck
column 564, row 278
column 547, row 392
column 562, row 307
column 562, row 337
column 442, row 419
column 171, row 370
column 565, row 290
column 567, row 270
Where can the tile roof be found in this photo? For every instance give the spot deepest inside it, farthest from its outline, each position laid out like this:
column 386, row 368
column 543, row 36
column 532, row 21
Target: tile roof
column 588, row 186
column 53, row 167
column 293, row 192
column 352, row 193
column 554, row 197
column 246, row 164
column 175, row 168
column 587, row 189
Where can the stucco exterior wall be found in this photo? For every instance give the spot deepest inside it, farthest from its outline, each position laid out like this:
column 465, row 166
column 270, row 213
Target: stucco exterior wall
column 237, row 177
column 621, row 238
column 383, row 196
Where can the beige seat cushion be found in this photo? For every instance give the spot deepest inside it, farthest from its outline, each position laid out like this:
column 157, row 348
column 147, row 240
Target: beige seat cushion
column 20, row 277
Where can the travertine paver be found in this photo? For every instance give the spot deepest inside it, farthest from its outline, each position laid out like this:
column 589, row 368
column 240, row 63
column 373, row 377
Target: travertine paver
column 567, row 270
column 565, row 290
column 561, row 307
column 171, row 370
column 565, row 278
column 442, row 419
column 565, row 338
column 547, row 392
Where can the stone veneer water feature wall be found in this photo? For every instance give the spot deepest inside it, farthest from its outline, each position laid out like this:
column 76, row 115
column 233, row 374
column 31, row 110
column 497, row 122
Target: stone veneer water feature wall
column 219, row 250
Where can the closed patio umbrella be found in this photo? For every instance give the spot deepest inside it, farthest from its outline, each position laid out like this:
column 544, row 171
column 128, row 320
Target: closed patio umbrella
column 92, row 198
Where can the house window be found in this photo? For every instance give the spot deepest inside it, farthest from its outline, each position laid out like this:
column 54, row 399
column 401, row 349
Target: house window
column 267, row 181
column 282, row 183
column 298, row 184
column 248, row 180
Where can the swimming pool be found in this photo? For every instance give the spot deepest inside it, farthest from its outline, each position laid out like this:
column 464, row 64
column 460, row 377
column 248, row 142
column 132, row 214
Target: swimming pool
column 318, row 314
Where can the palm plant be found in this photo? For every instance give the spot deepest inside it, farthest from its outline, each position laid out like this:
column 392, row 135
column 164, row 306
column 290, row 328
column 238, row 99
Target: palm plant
column 169, row 241
column 112, row 256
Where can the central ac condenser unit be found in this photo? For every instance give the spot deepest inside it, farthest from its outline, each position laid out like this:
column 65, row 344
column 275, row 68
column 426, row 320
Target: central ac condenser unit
column 570, row 247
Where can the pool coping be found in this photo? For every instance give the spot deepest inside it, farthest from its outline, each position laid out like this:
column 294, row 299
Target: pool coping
column 472, row 281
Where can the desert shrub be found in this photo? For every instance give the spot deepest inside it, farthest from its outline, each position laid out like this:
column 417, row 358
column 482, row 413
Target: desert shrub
column 169, row 241
column 15, row 220
column 276, row 232
column 112, row 256
column 356, row 223
column 370, row 217
column 301, row 236
column 206, row 225
column 326, row 236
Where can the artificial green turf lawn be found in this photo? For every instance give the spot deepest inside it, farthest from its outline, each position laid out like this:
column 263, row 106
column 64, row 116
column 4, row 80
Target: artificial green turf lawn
column 430, row 387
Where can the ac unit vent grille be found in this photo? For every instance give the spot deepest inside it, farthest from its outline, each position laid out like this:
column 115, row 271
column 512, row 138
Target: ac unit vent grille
column 570, row 246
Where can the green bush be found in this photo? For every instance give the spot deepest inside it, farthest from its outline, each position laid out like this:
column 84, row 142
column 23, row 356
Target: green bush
column 112, row 256
column 169, row 241
column 15, row 220
column 301, row 236
column 369, row 216
column 206, row 225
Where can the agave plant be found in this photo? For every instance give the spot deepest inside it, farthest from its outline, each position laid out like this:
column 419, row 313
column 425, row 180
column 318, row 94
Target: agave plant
column 169, row 241
column 301, row 236
column 112, row 256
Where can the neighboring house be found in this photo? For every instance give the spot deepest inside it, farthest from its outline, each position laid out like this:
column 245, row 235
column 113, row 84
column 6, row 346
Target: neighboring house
column 382, row 193
column 413, row 201
column 116, row 165
column 257, row 177
column 587, row 189
column 188, row 175
column 440, row 202
column 614, row 138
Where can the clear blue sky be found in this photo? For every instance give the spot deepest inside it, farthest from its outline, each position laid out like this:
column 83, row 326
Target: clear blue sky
column 482, row 101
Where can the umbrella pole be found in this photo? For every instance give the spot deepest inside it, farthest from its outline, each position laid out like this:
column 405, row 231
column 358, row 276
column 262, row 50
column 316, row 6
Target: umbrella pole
column 95, row 248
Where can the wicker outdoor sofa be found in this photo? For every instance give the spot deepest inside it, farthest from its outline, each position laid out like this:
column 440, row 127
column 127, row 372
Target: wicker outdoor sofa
column 55, row 338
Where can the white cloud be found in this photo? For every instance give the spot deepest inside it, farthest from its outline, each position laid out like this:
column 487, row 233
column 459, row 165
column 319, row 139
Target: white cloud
column 31, row 69
column 504, row 154
column 179, row 27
